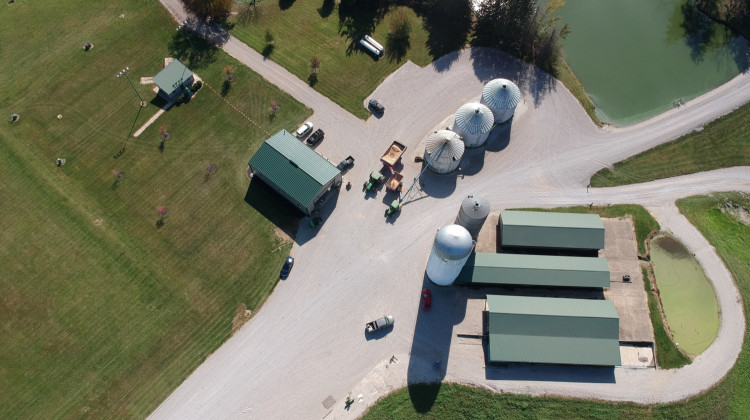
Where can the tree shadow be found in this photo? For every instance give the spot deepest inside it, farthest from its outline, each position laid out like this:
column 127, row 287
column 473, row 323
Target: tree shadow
column 225, row 88
column 396, row 47
column 191, row 49
column 448, row 24
column 491, row 63
column 285, row 4
column 357, row 20
column 698, row 31
column 327, row 8
column 312, row 79
column 267, row 50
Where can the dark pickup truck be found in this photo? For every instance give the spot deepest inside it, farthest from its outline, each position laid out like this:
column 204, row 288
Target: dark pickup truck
column 345, row 164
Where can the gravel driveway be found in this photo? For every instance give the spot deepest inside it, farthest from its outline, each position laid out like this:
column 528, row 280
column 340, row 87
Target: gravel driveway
column 308, row 342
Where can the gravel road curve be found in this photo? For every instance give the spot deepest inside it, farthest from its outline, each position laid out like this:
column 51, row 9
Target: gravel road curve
column 308, row 342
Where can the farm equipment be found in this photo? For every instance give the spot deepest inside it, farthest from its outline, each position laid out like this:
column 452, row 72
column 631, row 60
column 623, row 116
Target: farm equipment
column 394, row 182
column 395, row 207
column 372, row 183
column 393, row 155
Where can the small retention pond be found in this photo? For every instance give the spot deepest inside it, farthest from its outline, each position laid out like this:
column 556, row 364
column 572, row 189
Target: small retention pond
column 638, row 58
column 686, row 295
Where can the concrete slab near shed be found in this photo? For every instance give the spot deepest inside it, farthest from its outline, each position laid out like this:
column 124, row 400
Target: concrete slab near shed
column 631, row 300
column 487, row 238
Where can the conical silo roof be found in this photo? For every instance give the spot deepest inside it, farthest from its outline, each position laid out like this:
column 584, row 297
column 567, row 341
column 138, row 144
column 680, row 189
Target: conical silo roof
column 474, row 118
column 454, row 147
column 501, row 94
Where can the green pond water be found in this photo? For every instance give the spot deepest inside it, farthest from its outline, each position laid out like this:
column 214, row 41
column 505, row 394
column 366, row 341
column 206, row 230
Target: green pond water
column 686, row 294
column 636, row 58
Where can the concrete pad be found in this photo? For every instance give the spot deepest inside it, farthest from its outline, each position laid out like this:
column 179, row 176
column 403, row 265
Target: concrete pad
column 637, row 356
column 630, row 299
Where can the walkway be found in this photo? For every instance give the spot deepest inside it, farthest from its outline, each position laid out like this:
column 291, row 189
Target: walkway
column 308, row 342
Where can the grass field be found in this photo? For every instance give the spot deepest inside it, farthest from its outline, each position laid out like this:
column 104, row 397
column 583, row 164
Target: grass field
column 304, row 29
column 722, row 143
column 686, row 294
column 102, row 312
column 730, row 399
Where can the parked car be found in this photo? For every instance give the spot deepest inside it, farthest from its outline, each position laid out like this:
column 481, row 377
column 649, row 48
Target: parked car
column 377, row 106
column 386, row 321
column 287, row 267
column 315, row 137
column 426, row 299
column 304, row 130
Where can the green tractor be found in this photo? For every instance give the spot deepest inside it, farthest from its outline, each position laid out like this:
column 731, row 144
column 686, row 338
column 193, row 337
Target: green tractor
column 372, row 183
column 394, row 208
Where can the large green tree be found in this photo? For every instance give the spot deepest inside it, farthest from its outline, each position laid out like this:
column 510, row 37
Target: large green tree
column 217, row 9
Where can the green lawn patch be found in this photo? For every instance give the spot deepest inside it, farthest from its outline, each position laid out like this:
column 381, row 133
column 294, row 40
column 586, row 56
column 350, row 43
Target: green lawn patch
column 105, row 306
column 730, row 399
column 722, row 143
column 305, row 29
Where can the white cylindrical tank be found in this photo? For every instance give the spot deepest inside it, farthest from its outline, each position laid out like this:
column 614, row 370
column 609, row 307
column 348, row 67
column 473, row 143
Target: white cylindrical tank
column 502, row 97
column 473, row 123
column 452, row 247
column 450, row 155
column 472, row 214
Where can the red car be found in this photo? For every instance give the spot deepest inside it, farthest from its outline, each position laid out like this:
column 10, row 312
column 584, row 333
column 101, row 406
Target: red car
column 426, row 299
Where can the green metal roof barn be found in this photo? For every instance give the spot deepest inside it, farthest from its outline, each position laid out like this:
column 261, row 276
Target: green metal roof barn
column 566, row 231
column 294, row 170
column 553, row 330
column 535, row 270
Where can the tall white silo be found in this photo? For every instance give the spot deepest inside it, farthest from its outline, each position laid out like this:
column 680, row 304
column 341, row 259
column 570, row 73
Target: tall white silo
column 472, row 214
column 450, row 148
column 451, row 249
column 473, row 123
column 501, row 96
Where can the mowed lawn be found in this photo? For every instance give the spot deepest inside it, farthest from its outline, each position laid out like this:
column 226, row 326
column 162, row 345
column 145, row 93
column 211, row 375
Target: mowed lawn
column 103, row 312
column 730, row 399
column 723, row 143
column 304, row 29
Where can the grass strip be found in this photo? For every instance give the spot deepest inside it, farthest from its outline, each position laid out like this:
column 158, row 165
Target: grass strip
column 722, row 143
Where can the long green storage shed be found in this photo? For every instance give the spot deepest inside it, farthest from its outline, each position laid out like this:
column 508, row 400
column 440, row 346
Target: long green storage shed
column 553, row 330
column 561, row 231
column 534, row 270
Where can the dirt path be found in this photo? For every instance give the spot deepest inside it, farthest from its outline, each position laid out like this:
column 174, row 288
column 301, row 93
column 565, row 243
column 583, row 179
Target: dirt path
column 308, row 342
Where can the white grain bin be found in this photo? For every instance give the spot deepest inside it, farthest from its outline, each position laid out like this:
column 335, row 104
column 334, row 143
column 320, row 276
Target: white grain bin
column 449, row 149
column 472, row 214
column 452, row 247
column 473, row 123
column 502, row 97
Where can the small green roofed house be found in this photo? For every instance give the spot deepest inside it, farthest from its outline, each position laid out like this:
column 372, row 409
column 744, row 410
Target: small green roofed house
column 173, row 80
column 534, row 270
column 526, row 329
column 555, row 231
column 294, row 170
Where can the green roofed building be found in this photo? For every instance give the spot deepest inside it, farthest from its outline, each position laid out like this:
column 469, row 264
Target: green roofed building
column 553, row 330
column 555, row 231
column 535, row 270
column 294, row 170
column 173, row 80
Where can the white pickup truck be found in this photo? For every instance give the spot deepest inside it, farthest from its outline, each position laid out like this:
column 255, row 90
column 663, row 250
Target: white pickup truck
column 380, row 323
